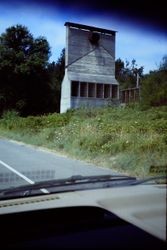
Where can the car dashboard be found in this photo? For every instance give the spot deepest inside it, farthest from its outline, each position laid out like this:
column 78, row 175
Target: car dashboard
column 121, row 217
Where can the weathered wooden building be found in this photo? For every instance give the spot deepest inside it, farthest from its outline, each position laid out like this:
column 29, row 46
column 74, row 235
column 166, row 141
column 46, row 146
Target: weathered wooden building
column 130, row 95
column 89, row 78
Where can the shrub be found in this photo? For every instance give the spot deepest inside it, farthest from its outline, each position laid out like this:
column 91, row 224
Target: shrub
column 154, row 89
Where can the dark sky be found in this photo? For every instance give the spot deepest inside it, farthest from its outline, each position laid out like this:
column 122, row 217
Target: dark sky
column 145, row 12
column 153, row 14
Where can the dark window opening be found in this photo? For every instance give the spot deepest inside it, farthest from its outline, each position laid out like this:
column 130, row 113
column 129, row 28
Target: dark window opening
column 83, row 89
column 114, row 91
column 107, row 90
column 75, row 88
column 91, row 90
column 99, row 93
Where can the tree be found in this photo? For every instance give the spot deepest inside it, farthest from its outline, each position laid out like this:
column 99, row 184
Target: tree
column 126, row 73
column 56, row 73
column 154, row 86
column 119, row 69
column 23, row 71
column 163, row 63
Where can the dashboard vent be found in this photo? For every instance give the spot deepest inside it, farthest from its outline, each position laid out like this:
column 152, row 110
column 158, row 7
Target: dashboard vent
column 26, row 201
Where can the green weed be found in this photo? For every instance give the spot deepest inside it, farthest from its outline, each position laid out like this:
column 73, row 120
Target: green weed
column 126, row 139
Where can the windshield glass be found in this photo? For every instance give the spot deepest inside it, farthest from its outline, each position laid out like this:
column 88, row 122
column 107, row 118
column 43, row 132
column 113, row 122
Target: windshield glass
column 83, row 91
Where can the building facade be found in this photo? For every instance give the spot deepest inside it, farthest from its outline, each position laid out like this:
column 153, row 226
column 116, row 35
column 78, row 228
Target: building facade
column 89, row 78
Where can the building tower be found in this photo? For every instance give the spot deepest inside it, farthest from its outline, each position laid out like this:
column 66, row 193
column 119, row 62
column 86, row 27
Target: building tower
column 89, row 78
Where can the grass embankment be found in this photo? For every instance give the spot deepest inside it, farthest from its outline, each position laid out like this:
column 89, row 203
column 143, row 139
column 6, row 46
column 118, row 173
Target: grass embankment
column 127, row 140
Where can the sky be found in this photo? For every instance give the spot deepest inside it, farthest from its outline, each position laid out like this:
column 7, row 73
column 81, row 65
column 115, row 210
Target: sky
column 141, row 32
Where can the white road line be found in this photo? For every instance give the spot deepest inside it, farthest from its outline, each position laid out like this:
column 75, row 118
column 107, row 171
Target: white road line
column 16, row 172
column 22, row 176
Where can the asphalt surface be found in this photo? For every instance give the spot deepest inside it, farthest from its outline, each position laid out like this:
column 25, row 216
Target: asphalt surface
column 22, row 164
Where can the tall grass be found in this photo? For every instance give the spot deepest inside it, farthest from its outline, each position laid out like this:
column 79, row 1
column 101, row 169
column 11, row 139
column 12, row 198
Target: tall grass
column 128, row 140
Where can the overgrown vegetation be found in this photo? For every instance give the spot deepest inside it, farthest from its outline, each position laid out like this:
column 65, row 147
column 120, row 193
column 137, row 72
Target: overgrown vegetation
column 128, row 140
column 154, row 89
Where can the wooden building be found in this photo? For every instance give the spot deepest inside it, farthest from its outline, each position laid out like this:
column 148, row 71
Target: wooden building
column 89, row 78
column 130, row 95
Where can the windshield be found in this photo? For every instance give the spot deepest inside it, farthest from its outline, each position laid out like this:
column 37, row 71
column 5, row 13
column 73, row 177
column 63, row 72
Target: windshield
column 81, row 94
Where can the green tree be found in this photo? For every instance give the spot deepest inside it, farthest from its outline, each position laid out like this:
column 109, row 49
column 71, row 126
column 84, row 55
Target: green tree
column 154, row 86
column 23, row 71
column 56, row 73
column 126, row 73
column 119, row 69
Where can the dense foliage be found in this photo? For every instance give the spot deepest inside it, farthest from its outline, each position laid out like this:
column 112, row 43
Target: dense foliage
column 154, row 89
column 27, row 83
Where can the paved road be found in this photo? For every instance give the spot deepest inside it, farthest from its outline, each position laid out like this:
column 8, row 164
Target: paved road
column 23, row 164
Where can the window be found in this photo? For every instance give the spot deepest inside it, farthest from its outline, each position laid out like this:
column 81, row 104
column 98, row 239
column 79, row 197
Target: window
column 114, row 91
column 83, row 89
column 74, row 88
column 99, row 93
column 91, row 90
column 107, row 90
